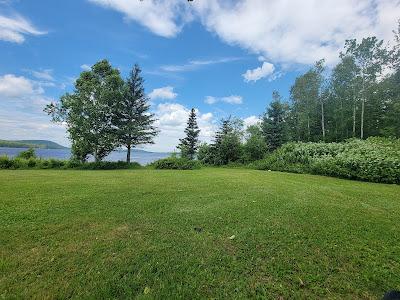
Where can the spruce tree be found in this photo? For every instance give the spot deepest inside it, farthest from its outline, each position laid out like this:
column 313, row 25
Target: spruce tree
column 190, row 143
column 132, row 118
column 273, row 125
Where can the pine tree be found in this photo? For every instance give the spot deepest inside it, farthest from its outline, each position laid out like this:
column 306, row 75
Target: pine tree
column 273, row 125
column 190, row 143
column 227, row 145
column 132, row 119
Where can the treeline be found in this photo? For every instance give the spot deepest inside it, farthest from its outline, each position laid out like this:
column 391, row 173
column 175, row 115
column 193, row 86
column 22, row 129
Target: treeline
column 360, row 98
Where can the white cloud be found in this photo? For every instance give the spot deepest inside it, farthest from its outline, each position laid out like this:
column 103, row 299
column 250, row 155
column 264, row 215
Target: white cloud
column 18, row 92
column 252, row 120
column 160, row 17
column 195, row 64
column 21, row 111
column 86, row 67
column 14, row 28
column 284, row 32
column 233, row 99
column 256, row 74
column 46, row 74
column 172, row 118
column 166, row 92
column 210, row 100
column 12, row 86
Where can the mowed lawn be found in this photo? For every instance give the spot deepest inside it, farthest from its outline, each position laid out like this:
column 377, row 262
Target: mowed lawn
column 209, row 233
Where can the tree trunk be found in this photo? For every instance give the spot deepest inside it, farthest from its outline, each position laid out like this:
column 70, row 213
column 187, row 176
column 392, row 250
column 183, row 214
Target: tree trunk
column 362, row 118
column 362, row 107
column 354, row 119
column 128, row 154
column 322, row 120
column 308, row 128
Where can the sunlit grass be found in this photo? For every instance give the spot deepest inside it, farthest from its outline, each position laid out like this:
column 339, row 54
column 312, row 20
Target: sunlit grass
column 209, row 233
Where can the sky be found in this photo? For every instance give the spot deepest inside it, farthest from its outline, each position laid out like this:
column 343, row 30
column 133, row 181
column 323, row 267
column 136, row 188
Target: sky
column 222, row 57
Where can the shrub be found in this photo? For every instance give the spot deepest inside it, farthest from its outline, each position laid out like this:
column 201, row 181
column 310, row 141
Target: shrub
column 108, row 165
column 374, row 159
column 27, row 154
column 5, row 162
column 176, row 163
column 32, row 162
column 20, row 163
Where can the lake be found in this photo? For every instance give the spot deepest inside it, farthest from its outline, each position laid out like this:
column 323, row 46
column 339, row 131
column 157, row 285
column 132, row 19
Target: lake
column 140, row 156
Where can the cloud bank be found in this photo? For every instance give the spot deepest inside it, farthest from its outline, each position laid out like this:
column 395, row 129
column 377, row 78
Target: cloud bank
column 289, row 32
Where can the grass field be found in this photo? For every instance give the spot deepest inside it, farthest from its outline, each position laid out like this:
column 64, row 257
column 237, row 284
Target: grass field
column 210, row 233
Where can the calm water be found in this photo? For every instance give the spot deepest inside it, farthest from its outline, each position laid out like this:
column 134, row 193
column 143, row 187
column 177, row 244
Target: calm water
column 141, row 157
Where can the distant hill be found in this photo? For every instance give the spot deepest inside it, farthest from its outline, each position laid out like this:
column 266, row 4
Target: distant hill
column 43, row 144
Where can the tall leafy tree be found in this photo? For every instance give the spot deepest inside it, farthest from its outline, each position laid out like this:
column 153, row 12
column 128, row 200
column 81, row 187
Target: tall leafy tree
column 344, row 85
column 132, row 118
column 87, row 112
column 274, row 126
column 190, row 143
column 255, row 146
column 370, row 56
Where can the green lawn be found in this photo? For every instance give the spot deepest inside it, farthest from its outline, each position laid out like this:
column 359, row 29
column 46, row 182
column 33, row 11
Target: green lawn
column 131, row 233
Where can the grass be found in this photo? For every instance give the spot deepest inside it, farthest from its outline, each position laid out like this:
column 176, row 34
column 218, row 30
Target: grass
column 210, row 233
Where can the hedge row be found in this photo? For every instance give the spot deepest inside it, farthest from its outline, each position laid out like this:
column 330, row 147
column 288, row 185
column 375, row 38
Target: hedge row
column 374, row 159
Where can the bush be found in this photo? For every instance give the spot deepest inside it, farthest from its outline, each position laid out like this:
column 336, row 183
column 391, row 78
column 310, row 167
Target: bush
column 27, row 154
column 107, row 165
column 176, row 163
column 5, row 162
column 374, row 159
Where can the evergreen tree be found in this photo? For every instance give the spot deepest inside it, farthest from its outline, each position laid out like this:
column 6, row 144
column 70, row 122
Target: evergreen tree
column 274, row 123
column 190, row 143
column 227, row 146
column 132, row 118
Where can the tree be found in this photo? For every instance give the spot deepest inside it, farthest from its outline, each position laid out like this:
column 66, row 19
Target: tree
column 344, row 87
column 132, row 119
column 370, row 56
column 190, row 143
column 273, row 125
column 255, row 146
column 88, row 111
column 227, row 146
column 322, row 91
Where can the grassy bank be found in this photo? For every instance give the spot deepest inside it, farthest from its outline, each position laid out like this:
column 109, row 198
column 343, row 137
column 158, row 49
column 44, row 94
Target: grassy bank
column 209, row 233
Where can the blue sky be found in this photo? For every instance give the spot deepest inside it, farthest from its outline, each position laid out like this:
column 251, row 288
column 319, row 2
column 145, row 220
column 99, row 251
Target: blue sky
column 222, row 57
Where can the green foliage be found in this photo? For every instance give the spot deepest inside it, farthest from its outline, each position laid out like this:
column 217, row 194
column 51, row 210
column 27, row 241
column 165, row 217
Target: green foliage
column 88, row 111
column 5, row 162
column 205, row 154
column 176, row 163
column 107, row 165
column 189, row 144
column 374, row 159
column 38, row 163
column 27, row 154
column 255, row 146
column 131, row 115
column 274, row 125
column 227, row 146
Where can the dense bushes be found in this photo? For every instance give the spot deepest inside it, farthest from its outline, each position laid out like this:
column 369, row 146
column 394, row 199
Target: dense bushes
column 176, row 163
column 374, row 159
column 38, row 163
